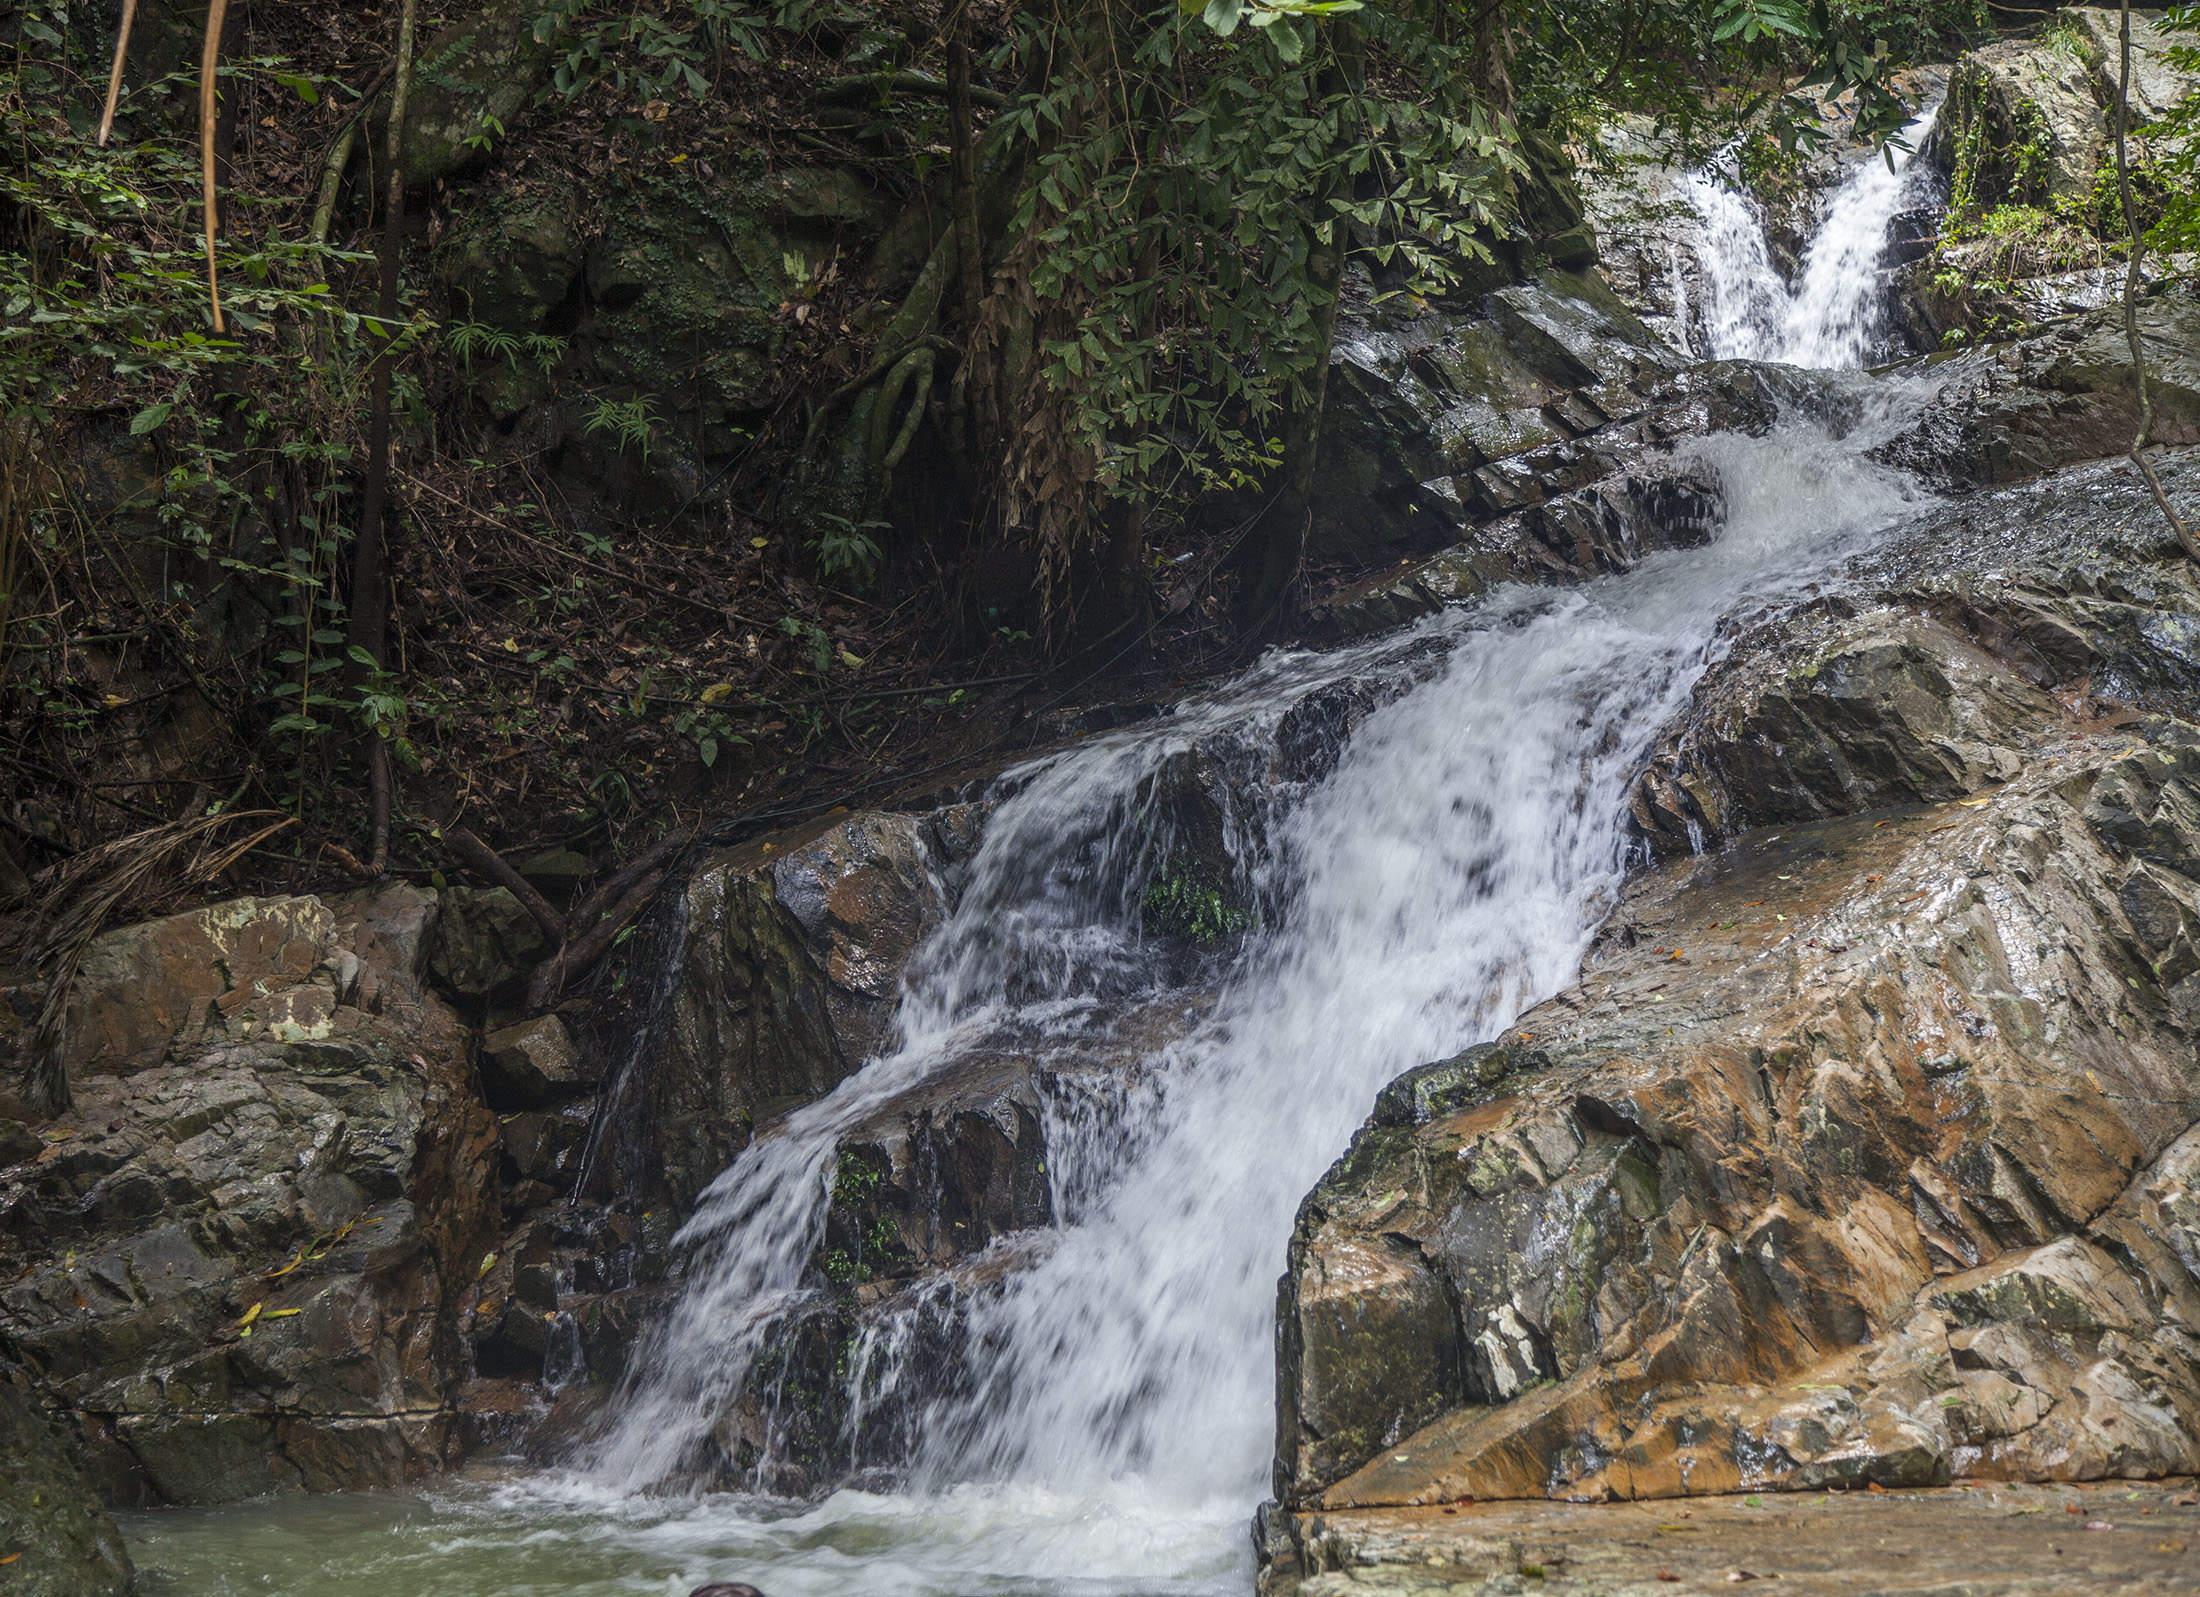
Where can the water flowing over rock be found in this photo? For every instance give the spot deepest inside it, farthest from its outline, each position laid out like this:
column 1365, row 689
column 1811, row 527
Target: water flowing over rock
column 1729, row 883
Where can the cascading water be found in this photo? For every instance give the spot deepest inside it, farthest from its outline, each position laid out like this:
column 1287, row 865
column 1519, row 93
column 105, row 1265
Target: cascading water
column 1834, row 316
column 1448, row 872
column 1444, row 871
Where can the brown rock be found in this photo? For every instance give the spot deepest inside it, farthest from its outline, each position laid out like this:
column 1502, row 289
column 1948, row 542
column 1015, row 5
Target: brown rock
column 241, row 1254
column 1878, row 1184
column 533, row 1064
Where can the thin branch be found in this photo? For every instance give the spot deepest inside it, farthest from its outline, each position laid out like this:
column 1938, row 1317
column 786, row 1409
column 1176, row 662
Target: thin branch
column 549, row 978
column 472, row 851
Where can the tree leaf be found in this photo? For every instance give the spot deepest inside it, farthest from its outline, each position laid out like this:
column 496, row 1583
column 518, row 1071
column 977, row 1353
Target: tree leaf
column 148, row 419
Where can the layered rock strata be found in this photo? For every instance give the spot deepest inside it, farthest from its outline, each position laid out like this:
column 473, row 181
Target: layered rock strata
column 1866, row 1149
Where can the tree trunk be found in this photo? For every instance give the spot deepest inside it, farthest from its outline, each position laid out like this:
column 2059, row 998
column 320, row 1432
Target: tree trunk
column 369, row 629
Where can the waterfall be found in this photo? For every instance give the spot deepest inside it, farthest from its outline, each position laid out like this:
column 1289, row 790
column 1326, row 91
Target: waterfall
column 1444, row 873
column 1834, row 316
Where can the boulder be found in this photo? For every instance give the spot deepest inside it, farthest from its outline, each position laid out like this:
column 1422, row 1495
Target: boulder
column 785, row 968
column 471, row 83
column 238, row 1259
column 484, row 941
column 56, row 1538
column 1830, row 1172
column 532, row 1065
column 1423, row 404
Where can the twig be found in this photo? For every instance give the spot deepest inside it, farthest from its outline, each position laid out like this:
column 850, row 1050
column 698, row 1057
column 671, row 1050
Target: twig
column 114, row 76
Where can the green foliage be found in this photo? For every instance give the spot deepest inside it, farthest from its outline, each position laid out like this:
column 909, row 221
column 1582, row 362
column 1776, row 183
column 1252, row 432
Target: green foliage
column 649, row 51
column 1179, row 182
column 631, row 421
column 2176, row 170
column 1186, row 908
column 846, row 548
column 542, row 351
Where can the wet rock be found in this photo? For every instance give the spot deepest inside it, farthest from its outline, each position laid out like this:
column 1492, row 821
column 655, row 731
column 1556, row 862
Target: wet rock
column 55, row 1536
column 240, row 1254
column 2058, row 395
column 545, row 1144
column 1422, row 403
column 791, row 955
column 1987, row 1537
column 484, row 942
column 1936, row 688
column 1832, row 1170
column 533, row 1064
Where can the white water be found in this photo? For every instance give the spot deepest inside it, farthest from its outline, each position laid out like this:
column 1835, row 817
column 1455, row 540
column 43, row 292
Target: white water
column 1446, row 874
column 1832, row 317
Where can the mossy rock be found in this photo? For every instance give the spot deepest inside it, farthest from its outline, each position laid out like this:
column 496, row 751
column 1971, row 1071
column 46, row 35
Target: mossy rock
column 473, row 78
column 515, row 256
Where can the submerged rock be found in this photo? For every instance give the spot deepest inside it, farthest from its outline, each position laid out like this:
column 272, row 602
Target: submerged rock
column 56, row 1539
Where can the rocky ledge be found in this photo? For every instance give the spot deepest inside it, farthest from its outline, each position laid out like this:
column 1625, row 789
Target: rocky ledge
column 1865, row 1150
column 236, row 1263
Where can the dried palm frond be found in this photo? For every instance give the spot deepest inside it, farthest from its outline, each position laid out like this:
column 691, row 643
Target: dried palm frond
column 87, row 889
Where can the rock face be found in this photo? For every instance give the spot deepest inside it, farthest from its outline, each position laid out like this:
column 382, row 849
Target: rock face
column 56, row 1538
column 238, row 1259
column 2025, row 144
column 1936, row 683
column 1521, row 436
column 2031, row 121
column 787, row 965
column 2059, row 395
column 1865, row 1151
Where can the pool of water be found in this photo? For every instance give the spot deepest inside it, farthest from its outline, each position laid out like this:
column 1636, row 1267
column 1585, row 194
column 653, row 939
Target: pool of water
column 515, row 1534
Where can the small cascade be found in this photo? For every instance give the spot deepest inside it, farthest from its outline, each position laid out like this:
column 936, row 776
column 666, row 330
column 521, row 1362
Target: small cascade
column 1441, row 866
column 1834, row 316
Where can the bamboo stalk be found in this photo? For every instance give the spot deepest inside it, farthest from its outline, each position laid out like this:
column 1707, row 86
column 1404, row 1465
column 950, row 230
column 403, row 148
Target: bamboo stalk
column 114, row 75
column 217, row 13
